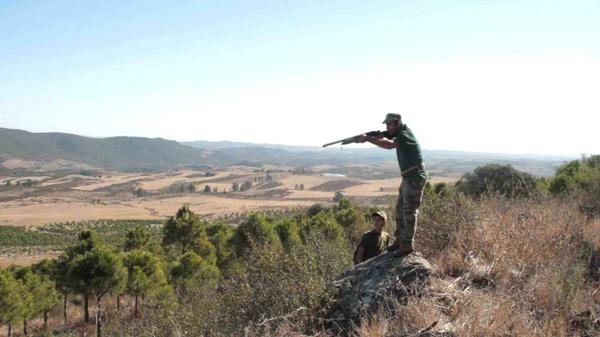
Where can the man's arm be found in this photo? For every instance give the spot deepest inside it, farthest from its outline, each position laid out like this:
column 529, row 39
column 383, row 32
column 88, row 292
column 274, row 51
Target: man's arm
column 360, row 255
column 382, row 142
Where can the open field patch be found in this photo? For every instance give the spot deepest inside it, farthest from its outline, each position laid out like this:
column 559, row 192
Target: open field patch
column 161, row 181
column 109, row 181
column 335, row 185
column 111, row 194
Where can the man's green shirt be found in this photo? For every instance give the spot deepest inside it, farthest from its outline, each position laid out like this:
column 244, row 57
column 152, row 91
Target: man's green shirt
column 410, row 157
column 374, row 243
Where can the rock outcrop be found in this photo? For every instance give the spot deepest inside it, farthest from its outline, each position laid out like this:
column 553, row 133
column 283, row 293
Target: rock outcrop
column 381, row 281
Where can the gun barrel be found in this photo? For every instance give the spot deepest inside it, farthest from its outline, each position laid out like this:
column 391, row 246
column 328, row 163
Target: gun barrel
column 337, row 141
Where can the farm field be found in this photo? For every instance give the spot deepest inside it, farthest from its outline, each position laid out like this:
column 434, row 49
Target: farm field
column 116, row 195
column 63, row 198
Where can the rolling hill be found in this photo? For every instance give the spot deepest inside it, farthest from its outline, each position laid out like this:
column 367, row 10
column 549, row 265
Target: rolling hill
column 138, row 153
column 119, row 153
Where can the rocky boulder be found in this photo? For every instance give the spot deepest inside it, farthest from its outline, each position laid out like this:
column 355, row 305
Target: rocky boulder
column 381, row 281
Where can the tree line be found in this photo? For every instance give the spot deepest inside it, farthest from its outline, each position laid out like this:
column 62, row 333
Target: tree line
column 191, row 251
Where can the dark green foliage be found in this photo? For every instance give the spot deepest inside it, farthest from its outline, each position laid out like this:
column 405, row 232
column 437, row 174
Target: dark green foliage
column 97, row 272
column 186, row 231
column 351, row 218
column 19, row 236
column 581, row 179
column 192, row 268
column 14, row 300
column 39, row 295
column 497, row 179
column 145, row 276
column 315, row 209
column 112, row 232
column 289, row 233
column 219, row 235
column 338, row 196
column 256, row 230
column 87, row 241
column 441, row 189
column 137, row 238
column 323, row 225
column 140, row 192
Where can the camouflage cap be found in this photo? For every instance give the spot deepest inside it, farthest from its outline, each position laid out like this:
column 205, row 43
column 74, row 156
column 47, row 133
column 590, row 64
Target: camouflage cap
column 381, row 214
column 392, row 117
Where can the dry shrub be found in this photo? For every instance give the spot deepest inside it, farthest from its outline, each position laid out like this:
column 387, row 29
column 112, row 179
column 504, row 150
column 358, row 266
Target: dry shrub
column 482, row 314
column 517, row 267
column 374, row 327
column 443, row 223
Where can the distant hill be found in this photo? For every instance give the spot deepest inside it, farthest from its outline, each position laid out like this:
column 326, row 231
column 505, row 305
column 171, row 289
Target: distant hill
column 439, row 162
column 119, row 153
column 138, row 153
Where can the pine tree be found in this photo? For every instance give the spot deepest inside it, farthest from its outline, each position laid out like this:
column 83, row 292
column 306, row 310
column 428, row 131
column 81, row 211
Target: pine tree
column 98, row 272
column 145, row 275
column 186, row 231
column 70, row 282
column 13, row 303
column 136, row 238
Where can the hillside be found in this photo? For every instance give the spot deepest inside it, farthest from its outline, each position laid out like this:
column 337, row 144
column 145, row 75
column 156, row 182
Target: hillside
column 138, row 153
column 121, row 153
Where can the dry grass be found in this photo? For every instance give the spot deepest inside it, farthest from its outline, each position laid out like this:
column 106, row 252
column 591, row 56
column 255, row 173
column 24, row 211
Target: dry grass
column 520, row 269
column 26, row 258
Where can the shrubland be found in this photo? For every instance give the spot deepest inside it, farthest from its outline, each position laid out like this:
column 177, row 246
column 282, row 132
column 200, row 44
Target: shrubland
column 515, row 256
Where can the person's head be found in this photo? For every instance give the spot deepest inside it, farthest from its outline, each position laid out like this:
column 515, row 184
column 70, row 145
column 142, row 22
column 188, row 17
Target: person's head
column 392, row 122
column 379, row 219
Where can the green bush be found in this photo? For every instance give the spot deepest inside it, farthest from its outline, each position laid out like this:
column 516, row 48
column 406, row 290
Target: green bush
column 497, row 179
column 580, row 179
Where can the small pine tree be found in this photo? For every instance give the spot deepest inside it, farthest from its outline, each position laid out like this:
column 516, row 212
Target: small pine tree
column 139, row 192
column 13, row 303
column 338, row 196
column 145, row 275
column 136, row 238
column 99, row 272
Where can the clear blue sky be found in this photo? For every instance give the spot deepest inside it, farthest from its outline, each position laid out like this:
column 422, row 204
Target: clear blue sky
column 497, row 76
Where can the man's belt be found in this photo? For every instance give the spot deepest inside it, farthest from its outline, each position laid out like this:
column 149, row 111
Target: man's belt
column 410, row 169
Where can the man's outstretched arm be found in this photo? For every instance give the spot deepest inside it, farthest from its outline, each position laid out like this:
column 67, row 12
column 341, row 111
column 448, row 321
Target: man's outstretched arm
column 383, row 143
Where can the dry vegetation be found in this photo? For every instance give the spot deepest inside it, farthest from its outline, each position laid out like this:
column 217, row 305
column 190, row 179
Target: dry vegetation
column 505, row 268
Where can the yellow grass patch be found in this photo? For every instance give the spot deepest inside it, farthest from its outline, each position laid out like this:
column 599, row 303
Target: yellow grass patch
column 25, row 259
column 160, row 182
column 107, row 181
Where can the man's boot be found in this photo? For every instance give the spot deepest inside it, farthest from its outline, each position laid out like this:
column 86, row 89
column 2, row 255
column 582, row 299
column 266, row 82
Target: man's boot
column 405, row 249
column 394, row 246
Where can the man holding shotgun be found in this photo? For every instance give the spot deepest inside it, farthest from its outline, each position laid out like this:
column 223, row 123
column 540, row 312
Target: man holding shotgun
column 414, row 176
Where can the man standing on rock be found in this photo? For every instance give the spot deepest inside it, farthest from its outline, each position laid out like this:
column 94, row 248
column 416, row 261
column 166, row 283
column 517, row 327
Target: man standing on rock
column 414, row 176
column 373, row 242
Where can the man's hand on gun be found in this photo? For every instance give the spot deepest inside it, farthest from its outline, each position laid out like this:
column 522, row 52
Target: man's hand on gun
column 365, row 137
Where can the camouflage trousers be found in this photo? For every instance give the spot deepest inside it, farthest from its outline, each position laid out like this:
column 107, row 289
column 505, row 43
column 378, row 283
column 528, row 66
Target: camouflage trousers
column 407, row 210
